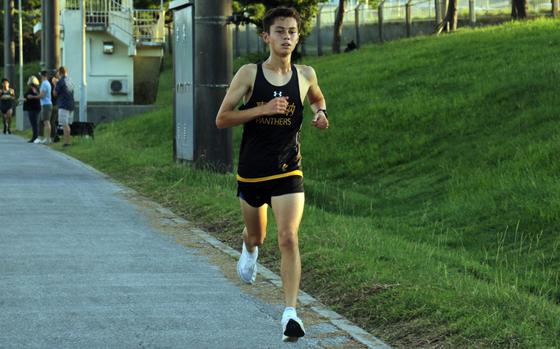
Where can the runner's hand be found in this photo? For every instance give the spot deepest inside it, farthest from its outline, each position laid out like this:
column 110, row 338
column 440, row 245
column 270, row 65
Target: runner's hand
column 320, row 120
column 275, row 106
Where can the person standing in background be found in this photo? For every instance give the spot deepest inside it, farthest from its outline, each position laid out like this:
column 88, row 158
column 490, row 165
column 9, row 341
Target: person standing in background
column 32, row 105
column 64, row 92
column 45, row 93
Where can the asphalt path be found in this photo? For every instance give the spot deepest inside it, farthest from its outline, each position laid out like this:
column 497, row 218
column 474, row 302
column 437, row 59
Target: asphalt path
column 82, row 266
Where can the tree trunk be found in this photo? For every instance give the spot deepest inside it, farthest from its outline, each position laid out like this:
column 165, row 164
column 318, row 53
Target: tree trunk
column 452, row 15
column 338, row 27
column 519, row 9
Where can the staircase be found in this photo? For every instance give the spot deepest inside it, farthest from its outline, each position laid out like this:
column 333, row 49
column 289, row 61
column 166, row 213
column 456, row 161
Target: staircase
column 134, row 28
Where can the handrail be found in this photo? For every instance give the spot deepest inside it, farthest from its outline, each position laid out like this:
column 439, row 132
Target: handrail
column 141, row 25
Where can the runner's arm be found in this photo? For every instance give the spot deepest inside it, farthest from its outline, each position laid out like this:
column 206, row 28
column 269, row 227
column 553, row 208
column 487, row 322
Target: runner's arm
column 240, row 85
column 316, row 100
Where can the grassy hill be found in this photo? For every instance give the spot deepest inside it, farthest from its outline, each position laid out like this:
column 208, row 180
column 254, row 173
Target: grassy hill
column 433, row 203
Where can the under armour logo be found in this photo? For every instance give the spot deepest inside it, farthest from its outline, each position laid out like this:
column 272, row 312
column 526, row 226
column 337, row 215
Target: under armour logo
column 277, row 93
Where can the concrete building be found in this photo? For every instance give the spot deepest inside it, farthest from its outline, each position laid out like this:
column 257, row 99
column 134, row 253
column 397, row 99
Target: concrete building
column 124, row 49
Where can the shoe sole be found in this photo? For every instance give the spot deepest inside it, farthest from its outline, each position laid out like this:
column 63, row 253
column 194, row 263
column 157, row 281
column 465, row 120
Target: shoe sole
column 293, row 332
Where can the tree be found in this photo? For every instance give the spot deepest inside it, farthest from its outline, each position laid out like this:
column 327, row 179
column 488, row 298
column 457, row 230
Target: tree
column 452, row 13
column 31, row 42
column 256, row 10
column 519, row 9
column 149, row 4
column 449, row 22
column 337, row 35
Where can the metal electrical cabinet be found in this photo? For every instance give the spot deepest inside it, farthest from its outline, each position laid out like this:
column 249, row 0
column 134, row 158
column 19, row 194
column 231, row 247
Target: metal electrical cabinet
column 183, row 72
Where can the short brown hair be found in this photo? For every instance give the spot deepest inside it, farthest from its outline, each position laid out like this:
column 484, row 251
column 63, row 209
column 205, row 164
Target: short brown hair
column 277, row 12
column 62, row 70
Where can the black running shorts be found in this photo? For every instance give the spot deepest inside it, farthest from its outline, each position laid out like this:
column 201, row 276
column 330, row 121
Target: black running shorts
column 260, row 193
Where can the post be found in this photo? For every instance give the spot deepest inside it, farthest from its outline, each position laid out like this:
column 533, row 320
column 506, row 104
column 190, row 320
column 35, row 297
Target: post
column 357, row 23
column 213, row 71
column 20, row 30
column 554, row 11
column 380, row 19
column 437, row 5
column 247, row 38
column 443, row 9
column 20, row 118
column 408, row 18
column 43, row 49
column 472, row 13
column 56, row 33
column 318, row 29
column 9, row 45
column 83, row 87
column 51, row 29
column 237, row 53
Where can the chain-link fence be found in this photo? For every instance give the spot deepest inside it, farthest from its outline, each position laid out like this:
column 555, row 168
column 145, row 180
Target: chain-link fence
column 392, row 19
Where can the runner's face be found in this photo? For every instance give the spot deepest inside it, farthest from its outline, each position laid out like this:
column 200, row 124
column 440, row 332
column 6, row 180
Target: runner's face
column 6, row 85
column 283, row 36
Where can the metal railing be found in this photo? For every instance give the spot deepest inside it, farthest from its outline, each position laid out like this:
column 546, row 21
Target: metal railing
column 149, row 26
column 143, row 26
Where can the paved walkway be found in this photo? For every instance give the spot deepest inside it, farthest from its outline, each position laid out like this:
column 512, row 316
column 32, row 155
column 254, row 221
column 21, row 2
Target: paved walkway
column 83, row 265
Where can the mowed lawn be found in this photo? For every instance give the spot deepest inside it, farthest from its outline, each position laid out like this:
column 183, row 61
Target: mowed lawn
column 433, row 201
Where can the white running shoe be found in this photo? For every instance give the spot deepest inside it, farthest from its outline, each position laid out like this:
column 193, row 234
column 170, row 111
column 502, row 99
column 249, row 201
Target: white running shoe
column 38, row 141
column 247, row 266
column 292, row 328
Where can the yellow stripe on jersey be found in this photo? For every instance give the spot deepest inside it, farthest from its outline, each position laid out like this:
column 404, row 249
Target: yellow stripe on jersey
column 269, row 178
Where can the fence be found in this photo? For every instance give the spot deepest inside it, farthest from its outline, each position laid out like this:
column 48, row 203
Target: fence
column 392, row 19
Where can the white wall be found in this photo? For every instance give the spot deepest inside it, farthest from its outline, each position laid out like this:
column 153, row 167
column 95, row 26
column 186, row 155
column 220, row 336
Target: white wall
column 101, row 67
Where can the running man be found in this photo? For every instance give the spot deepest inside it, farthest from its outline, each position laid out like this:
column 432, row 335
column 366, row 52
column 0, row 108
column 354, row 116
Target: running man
column 7, row 98
column 269, row 169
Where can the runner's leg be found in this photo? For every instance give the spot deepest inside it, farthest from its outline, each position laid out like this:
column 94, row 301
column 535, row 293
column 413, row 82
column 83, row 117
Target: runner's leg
column 255, row 219
column 288, row 210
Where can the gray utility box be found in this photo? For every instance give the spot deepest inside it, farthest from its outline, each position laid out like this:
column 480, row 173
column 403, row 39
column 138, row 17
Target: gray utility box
column 183, row 72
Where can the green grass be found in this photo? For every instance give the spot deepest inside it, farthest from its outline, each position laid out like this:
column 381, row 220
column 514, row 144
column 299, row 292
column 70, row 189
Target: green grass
column 433, row 200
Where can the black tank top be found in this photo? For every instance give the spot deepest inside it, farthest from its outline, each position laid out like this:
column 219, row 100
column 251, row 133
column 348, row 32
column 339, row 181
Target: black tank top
column 270, row 146
column 7, row 102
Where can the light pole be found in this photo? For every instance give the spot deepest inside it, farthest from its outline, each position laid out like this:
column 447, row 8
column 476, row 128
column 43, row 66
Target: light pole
column 83, row 88
column 20, row 120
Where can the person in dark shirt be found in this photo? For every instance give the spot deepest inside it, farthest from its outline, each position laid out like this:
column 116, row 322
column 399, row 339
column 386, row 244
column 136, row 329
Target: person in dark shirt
column 64, row 92
column 32, row 105
column 7, row 98
column 269, row 170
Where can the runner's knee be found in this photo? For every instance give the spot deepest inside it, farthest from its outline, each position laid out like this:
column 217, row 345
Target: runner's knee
column 287, row 239
column 255, row 238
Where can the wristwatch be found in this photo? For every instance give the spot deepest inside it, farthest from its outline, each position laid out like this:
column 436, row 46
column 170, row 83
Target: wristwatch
column 324, row 112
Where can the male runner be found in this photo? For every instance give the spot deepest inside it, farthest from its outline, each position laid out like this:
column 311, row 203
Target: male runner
column 269, row 170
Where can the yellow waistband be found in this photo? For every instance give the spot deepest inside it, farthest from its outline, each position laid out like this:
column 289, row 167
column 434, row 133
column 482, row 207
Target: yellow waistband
column 269, row 178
